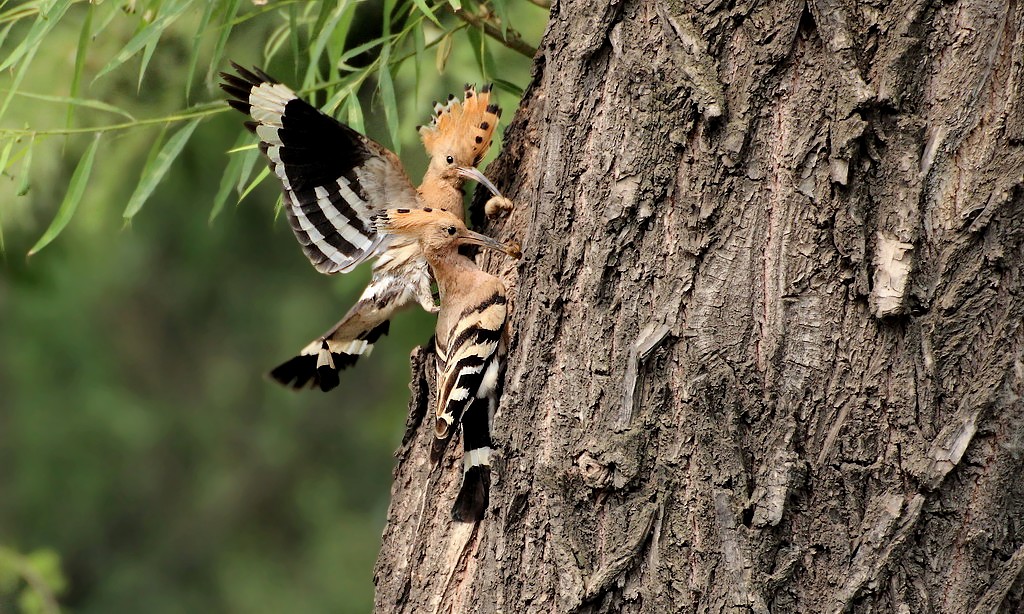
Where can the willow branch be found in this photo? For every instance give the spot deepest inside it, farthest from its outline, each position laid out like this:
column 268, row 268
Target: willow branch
column 513, row 42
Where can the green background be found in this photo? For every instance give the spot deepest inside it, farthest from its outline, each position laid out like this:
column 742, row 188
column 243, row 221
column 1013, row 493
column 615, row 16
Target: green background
column 139, row 437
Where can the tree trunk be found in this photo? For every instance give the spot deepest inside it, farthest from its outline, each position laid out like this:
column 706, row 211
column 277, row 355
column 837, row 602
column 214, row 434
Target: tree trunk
column 767, row 343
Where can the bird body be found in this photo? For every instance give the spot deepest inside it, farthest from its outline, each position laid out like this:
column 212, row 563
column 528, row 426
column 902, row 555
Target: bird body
column 335, row 181
column 469, row 342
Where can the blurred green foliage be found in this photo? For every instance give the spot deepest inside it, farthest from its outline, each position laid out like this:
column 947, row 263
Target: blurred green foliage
column 139, row 440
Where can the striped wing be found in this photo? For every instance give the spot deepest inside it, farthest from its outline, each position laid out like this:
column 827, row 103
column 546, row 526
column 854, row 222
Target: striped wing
column 468, row 363
column 334, row 179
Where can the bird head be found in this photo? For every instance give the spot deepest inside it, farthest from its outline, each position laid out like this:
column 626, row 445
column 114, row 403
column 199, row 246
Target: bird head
column 437, row 231
column 459, row 135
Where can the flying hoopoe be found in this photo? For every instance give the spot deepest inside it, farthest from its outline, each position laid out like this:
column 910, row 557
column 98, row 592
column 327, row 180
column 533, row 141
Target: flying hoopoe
column 469, row 341
column 335, row 180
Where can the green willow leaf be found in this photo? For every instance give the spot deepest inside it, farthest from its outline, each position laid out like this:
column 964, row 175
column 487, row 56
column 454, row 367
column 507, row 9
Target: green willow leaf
column 501, row 10
column 387, row 96
column 155, row 170
column 227, row 24
column 320, row 43
column 72, row 101
column 444, row 50
column 26, row 169
column 255, row 182
column 5, row 155
column 76, row 79
column 197, row 39
column 229, row 178
column 76, row 188
column 40, row 28
column 509, row 87
column 425, row 9
column 18, row 76
column 248, row 162
column 149, row 33
column 355, row 117
column 147, row 54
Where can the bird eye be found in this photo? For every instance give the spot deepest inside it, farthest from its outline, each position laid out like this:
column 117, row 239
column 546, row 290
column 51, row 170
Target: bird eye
column 450, row 160
column 451, row 230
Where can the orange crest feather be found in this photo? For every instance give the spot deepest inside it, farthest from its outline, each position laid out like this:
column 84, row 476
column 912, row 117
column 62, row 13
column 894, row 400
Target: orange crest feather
column 462, row 129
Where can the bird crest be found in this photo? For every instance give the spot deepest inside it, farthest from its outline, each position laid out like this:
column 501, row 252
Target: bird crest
column 462, row 129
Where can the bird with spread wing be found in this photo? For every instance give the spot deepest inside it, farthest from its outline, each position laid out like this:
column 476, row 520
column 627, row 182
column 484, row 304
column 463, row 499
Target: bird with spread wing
column 335, row 180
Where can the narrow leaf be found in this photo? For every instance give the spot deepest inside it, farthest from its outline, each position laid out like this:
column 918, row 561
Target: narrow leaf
column 147, row 54
column 444, row 49
column 455, row 4
column 197, row 41
column 228, row 179
column 5, row 155
column 358, row 49
column 76, row 188
column 26, row 169
column 149, row 32
column 509, row 87
column 425, row 9
column 501, row 10
column 255, row 182
column 44, row 22
column 387, row 96
column 227, row 24
column 248, row 162
column 16, row 82
column 113, row 9
column 76, row 79
column 71, row 101
column 274, row 42
column 293, row 33
column 355, row 113
column 476, row 43
column 420, row 43
column 317, row 48
column 155, row 171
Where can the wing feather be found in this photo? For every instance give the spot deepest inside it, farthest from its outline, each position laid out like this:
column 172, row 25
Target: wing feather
column 334, row 179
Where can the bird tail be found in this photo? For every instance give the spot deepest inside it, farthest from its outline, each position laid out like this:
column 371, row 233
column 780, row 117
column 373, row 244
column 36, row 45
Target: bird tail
column 354, row 336
column 318, row 364
column 473, row 497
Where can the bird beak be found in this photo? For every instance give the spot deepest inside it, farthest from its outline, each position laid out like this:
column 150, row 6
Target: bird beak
column 469, row 172
column 474, row 238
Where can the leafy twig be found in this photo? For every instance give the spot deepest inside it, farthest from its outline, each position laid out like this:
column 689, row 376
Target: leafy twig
column 513, row 41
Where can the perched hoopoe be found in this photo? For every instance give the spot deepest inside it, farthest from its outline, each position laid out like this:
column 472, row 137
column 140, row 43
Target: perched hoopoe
column 469, row 341
column 335, row 180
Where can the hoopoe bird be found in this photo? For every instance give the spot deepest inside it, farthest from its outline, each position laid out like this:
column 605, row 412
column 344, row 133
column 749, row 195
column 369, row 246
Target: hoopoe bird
column 335, row 180
column 469, row 341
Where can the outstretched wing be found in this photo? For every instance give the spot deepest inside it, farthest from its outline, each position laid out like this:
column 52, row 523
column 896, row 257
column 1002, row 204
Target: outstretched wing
column 334, row 179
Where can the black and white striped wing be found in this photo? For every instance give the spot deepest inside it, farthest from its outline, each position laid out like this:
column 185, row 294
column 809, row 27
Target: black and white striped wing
column 469, row 363
column 334, row 179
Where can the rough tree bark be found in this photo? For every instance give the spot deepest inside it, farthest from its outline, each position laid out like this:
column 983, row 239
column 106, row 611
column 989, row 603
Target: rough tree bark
column 767, row 345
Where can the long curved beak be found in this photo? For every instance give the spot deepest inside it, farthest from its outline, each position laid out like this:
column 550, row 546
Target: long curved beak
column 469, row 237
column 469, row 172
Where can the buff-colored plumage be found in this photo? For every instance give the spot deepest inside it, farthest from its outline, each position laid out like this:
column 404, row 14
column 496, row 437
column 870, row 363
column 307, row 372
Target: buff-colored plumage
column 335, row 180
column 469, row 341
column 462, row 129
